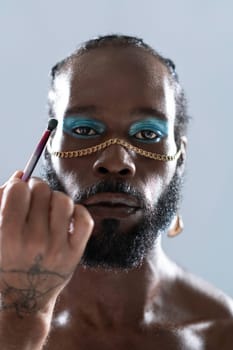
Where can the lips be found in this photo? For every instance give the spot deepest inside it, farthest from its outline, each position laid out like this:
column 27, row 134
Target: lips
column 112, row 205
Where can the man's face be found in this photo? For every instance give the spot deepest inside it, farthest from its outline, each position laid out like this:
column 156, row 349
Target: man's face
column 117, row 93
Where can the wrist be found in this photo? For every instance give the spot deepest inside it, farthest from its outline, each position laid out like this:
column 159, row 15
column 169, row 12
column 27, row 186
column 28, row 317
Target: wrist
column 26, row 331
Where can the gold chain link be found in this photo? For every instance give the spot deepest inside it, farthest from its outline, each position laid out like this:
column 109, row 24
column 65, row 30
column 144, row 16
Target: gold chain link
column 103, row 145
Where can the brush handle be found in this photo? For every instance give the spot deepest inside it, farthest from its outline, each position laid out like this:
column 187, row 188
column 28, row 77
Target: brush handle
column 52, row 124
column 31, row 164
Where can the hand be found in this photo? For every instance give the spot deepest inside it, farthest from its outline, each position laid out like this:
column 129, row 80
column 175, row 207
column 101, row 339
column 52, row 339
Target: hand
column 42, row 237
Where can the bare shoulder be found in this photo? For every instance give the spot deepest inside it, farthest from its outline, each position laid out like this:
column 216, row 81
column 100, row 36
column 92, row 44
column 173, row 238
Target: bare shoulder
column 203, row 299
column 186, row 298
column 208, row 313
column 199, row 315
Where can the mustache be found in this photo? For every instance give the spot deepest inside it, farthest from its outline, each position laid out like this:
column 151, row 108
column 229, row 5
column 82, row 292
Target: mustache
column 113, row 187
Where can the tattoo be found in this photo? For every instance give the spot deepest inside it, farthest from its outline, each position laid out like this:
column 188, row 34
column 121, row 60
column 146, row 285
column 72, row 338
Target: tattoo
column 24, row 300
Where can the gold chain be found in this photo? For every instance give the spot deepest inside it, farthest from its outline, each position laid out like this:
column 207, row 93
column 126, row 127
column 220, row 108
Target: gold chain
column 103, row 145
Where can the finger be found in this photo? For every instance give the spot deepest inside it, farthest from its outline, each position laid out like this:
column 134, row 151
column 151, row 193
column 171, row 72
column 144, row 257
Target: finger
column 61, row 212
column 38, row 216
column 14, row 205
column 81, row 231
column 17, row 175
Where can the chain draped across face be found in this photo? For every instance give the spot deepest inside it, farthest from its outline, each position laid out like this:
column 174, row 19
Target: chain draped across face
column 149, row 130
column 90, row 150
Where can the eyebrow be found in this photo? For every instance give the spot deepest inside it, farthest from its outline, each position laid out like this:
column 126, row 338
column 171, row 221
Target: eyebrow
column 149, row 111
column 139, row 111
column 81, row 110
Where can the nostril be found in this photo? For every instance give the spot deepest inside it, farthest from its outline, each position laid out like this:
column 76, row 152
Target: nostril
column 102, row 170
column 124, row 172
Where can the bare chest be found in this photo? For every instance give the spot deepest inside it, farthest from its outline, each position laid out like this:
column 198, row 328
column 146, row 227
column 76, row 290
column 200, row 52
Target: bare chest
column 125, row 340
column 203, row 336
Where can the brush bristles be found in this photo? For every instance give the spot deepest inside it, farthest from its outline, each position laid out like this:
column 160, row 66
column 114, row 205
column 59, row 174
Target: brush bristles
column 52, row 124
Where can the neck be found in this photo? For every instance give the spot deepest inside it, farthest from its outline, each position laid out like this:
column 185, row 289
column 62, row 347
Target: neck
column 100, row 298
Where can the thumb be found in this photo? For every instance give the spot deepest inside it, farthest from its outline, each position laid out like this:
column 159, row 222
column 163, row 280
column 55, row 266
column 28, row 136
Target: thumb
column 81, row 228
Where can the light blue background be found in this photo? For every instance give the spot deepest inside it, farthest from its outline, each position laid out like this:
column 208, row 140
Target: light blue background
column 198, row 35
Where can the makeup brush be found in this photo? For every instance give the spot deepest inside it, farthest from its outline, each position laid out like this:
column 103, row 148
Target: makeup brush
column 31, row 164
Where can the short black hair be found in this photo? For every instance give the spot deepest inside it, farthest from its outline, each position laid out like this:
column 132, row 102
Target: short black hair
column 118, row 40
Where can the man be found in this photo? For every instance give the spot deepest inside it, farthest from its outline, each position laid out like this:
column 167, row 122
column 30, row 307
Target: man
column 81, row 261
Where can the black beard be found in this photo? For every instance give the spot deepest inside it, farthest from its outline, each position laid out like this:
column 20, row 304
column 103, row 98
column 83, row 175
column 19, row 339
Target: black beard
column 111, row 248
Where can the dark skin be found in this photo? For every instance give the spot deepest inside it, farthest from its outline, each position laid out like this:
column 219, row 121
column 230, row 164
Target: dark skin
column 157, row 304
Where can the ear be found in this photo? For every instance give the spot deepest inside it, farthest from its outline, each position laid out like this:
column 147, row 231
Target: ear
column 182, row 159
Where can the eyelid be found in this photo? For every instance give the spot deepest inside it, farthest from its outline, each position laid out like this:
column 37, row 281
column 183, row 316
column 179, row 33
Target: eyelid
column 155, row 125
column 74, row 122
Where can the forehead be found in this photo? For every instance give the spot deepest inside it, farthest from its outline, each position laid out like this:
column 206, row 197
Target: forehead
column 115, row 78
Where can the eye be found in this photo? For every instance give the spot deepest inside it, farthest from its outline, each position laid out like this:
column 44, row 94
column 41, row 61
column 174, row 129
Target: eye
column 148, row 135
column 84, row 131
column 83, row 127
column 149, row 130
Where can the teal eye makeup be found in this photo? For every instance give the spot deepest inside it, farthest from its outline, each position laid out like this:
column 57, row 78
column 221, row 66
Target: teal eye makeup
column 150, row 130
column 83, row 127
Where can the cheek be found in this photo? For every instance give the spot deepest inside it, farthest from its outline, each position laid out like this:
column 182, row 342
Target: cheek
column 159, row 175
column 74, row 174
column 157, row 179
column 66, row 169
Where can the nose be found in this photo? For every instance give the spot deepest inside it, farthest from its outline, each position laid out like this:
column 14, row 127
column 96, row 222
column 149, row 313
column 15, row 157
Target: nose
column 114, row 160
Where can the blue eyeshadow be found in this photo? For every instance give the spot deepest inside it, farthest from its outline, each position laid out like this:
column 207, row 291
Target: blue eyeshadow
column 71, row 123
column 158, row 126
